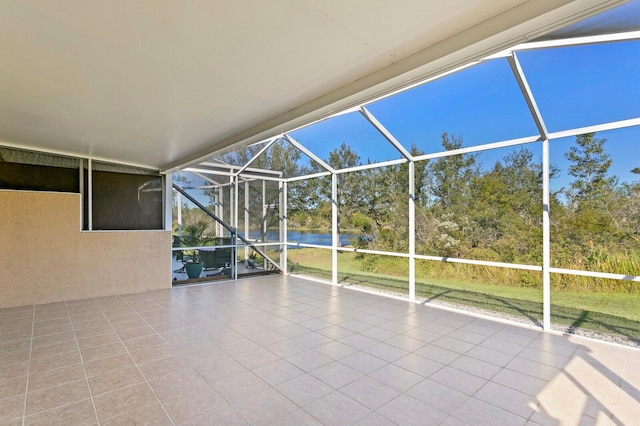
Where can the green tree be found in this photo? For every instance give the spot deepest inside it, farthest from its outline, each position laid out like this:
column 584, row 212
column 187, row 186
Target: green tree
column 442, row 221
column 506, row 220
column 448, row 177
column 592, row 197
column 590, row 168
column 350, row 197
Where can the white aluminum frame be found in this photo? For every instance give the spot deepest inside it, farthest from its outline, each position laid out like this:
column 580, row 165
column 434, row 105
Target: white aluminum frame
column 544, row 137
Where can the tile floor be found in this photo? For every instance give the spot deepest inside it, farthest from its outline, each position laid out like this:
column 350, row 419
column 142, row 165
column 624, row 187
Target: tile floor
column 283, row 350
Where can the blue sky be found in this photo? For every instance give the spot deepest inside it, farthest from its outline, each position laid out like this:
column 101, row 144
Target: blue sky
column 573, row 86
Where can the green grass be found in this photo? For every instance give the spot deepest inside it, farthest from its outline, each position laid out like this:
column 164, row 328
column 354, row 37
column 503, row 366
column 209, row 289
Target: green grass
column 616, row 313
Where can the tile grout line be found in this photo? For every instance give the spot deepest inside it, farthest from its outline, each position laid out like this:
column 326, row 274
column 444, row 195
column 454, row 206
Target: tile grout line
column 129, row 353
column 84, row 370
column 26, row 390
column 619, row 390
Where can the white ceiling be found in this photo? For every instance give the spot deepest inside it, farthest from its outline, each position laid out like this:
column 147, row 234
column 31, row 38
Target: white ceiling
column 163, row 83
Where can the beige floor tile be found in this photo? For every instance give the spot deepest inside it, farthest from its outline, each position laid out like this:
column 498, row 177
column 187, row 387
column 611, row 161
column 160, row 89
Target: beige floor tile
column 152, row 353
column 144, row 342
column 11, row 334
column 148, row 415
column 55, row 361
column 179, row 383
column 222, row 414
column 12, row 386
column 240, row 387
column 56, row 349
column 90, row 323
column 627, row 408
column 115, row 380
column 57, row 396
column 77, row 413
column 111, row 404
column 97, row 330
column 11, row 409
column 98, row 352
column 52, row 330
column 11, row 357
column 16, row 345
column 106, row 365
column 98, row 340
column 265, row 407
column 134, row 333
column 191, row 404
column 277, row 372
column 121, row 316
column 162, row 367
column 51, row 322
column 336, row 408
column 58, row 376
column 13, row 370
column 180, row 336
column 53, row 339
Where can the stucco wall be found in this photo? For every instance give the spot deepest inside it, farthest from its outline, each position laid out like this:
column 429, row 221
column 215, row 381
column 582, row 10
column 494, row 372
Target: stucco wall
column 45, row 257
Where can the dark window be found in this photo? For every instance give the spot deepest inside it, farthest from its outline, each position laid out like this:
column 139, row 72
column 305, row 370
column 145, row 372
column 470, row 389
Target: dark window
column 34, row 171
column 29, row 177
column 126, row 201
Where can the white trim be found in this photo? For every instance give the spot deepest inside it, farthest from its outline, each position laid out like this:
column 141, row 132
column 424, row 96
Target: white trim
column 258, row 154
column 195, row 170
column 378, row 252
column 479, row 148
column 569, row 41
column 256, row 177
column 521, row 79
column 222, row 165
column 372, row 166
column 308, row 153
column 308, row 245
column 611, row 125
column 622, row 277
column 283, row 226
column 167, row 200
column 481, row 262
column 305, row 177
column 89, row 195
column 412, row 231
column 335, row 238
column 546, row 239
column 386, row 133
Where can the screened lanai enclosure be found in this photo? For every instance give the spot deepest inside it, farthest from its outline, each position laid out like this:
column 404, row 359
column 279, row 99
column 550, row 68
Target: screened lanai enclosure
column 510, row 186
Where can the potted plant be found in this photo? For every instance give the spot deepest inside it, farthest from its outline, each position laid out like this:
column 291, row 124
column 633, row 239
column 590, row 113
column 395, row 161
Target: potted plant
column 194, row 237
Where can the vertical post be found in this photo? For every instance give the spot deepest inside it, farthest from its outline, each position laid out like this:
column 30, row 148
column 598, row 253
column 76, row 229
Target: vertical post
column 246, row 217
column 264, row 211
column 412, row 231
column 179, row 214
column 82, row 194
column 90, row 195
column 167, row 202
column 546, row 240
column 234, row 203
column 220, row 205
column 542, row 128
column 335, row 241
column 283, row 226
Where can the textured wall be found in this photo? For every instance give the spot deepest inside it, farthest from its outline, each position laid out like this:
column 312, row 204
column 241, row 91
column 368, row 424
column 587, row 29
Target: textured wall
column 44, row 257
